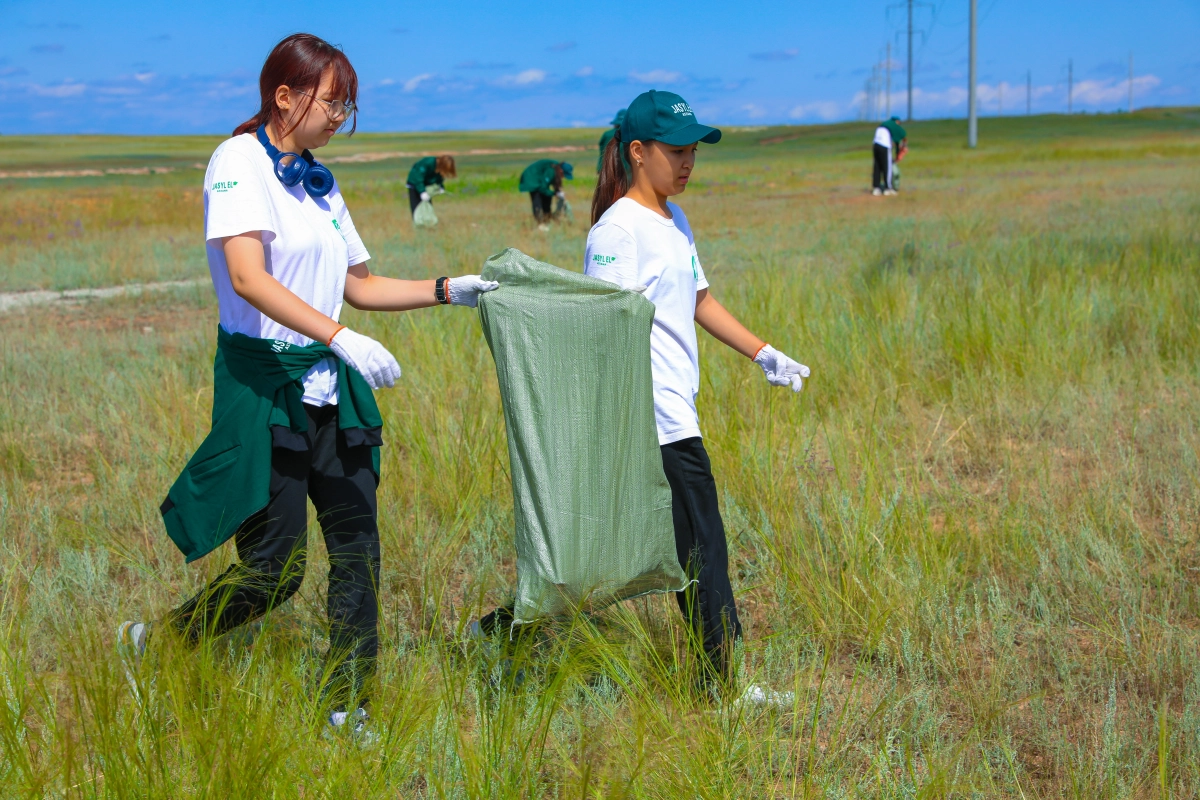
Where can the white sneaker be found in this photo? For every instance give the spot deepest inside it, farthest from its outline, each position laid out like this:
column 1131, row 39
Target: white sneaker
column 761, row 696
column 889, row 192
column 877, row 191
column 131, row 640
column 544, row 228
column 131, row 645
column 354, row 725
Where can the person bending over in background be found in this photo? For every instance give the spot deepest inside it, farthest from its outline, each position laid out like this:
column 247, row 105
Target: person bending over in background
column 607, row 137
column 543, row 180
column 890, row 141
column 293, row 413
column 639, row 239
column 425, row 173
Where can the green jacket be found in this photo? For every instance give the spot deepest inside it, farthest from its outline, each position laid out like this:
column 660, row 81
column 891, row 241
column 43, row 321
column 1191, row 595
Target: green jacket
column 256, row 386
column 604, row 140
column 424, row 173
column 898, row 133
column 539, row 177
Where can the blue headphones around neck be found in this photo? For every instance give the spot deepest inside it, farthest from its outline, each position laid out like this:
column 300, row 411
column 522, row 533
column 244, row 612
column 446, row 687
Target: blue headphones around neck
column 302, row 168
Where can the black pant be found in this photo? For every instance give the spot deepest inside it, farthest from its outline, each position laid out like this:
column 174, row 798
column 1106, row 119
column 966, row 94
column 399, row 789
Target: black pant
column 414, row 199
column 541, row 205
column 881, row 175
column 708, row 603
column 272, row 544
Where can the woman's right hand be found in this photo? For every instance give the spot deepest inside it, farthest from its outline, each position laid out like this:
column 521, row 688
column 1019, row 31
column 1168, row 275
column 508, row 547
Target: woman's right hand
column 371, row 359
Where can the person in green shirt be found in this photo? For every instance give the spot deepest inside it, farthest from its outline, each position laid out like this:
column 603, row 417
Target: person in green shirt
column 607, row 137
column 543, row 180
column 425, row 173
column 890, row 145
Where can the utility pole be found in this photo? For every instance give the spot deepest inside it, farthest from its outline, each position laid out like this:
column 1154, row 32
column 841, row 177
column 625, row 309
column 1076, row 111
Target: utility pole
column 910, row 58
column 1070, row 84
column 1130, row 81
column 1028, row 92
column 888, row 67
column 972, row 121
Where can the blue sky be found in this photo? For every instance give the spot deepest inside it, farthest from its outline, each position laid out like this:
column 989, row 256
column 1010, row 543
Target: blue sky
column 170, row 67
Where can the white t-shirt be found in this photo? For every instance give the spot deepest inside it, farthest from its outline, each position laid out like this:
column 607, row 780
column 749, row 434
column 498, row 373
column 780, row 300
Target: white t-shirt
column 883, row 136
column 309, row 244
column 634, row 246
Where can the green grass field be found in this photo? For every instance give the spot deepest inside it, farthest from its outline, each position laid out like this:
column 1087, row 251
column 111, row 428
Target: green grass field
column 970, row 546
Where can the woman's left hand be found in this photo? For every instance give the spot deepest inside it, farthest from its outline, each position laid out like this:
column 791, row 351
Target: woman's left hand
column 465, row 290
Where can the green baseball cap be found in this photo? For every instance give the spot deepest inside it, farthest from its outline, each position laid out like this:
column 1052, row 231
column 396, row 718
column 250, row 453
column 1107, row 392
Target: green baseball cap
column 617, row 119
column 664, row 117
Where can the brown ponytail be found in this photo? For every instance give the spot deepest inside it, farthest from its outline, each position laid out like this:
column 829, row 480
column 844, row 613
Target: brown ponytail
column 613, row 182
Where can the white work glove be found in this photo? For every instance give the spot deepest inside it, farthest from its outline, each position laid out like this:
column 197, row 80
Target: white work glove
column 424, row 195
column 369, row 357
column 465, row 290
column 781, row 370
column 560, row 194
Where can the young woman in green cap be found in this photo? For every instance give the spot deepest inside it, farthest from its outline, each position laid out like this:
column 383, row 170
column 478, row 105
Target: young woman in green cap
column 425, row 173
column 543, row 180
column 294, row 417
column 640, row 239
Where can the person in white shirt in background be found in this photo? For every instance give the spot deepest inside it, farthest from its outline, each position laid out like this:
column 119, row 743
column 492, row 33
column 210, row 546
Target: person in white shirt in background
column 640, row 240
column 283, row 257
column 889, row 137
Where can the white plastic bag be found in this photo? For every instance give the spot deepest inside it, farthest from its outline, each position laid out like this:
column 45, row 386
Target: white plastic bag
column 424, row 216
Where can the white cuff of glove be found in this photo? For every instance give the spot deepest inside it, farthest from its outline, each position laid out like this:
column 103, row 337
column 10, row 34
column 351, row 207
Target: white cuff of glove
column 465, row 290
column 424, row 195
column 560, row 194
column 781, row 370
column 367, row 356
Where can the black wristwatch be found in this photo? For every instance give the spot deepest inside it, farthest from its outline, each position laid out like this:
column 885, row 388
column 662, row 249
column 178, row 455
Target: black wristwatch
column 439, row 291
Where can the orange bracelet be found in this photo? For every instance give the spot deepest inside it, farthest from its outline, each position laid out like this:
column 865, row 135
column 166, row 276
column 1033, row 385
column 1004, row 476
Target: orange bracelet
column 756, row 352
column 340, row 328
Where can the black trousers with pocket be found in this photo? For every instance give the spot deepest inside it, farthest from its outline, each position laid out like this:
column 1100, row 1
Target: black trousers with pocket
column 882, row 173
column 414, row 199
column 707, row 604
column 272, row 547
column 541, row 205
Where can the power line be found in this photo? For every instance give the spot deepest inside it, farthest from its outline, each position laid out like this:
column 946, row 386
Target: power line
column 1070, row 84
column 1130, row 81
column 972, row 119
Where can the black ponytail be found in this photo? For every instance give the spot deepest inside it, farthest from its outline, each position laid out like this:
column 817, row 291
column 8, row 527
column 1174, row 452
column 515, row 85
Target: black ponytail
column 613, row 182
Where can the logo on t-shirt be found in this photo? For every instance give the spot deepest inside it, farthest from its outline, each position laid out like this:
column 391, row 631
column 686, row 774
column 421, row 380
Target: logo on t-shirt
column 223, row 186
column 279, row 346
column 695, row 275
column 337, row 227
column 683, row 108
column 599, row 259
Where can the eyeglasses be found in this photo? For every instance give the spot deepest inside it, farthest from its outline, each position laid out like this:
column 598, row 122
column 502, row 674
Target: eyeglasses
column 334, row 109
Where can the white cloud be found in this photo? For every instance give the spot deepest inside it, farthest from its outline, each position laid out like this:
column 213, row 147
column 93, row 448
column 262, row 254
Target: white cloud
column 523, row 78
column 754, row 111
column 411, row 84
column 822, row 109
column 143, row 77
column 1112, row 91
column 583, row 72
column 61, row 90
column 656, row 76
column 387, row 81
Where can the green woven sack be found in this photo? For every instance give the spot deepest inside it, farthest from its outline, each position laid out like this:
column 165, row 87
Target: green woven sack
column 424, row 216
column 591, row 504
